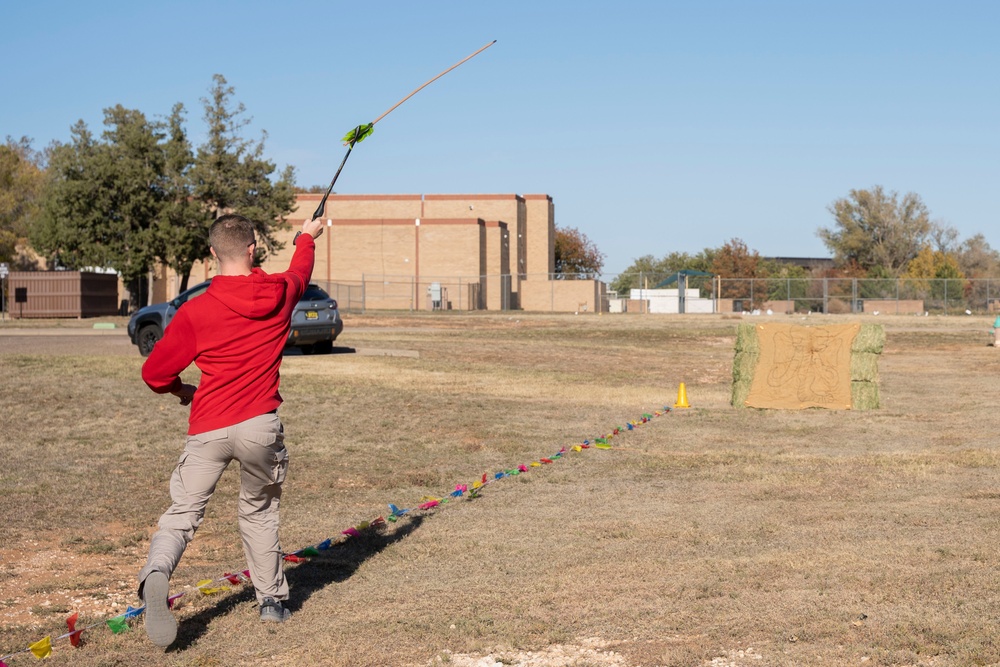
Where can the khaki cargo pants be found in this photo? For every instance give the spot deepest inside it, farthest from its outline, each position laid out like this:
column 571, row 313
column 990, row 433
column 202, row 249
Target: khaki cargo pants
column 259, row 446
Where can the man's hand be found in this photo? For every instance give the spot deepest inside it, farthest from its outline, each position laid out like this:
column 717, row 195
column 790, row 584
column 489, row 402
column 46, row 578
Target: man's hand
column 185, row 393
column 313, row 228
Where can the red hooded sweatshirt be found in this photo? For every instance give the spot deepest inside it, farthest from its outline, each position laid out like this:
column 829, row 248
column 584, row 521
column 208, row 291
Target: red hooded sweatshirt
column 235, row 333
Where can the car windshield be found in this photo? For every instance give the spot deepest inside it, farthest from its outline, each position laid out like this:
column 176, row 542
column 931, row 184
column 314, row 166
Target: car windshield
column 315, row 293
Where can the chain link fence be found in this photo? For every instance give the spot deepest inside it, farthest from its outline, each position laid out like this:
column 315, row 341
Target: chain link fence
column 787, row 295
column 863, row 295
column 387, row 292
column 831, row 295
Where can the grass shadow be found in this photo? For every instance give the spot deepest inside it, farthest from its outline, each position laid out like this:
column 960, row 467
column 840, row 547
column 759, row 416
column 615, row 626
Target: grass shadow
column 336, row 349
column 335, row 565
column 340, row 562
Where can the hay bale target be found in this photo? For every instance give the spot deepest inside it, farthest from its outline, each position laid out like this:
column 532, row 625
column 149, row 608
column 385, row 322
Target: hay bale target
column 786, row 366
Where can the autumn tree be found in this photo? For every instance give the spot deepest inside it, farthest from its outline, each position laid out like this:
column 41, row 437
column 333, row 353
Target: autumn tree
column 735, row 260
column 576, row 255
column 738, row 267
column 876, row 230
column 21, row 179
column 929, row 270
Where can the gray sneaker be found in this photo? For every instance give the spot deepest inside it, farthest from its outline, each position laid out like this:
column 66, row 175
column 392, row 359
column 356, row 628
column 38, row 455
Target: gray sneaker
column 161, row 626
column 272, row 611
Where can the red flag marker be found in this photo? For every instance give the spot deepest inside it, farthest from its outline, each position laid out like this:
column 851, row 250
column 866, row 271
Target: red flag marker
column 74, row 634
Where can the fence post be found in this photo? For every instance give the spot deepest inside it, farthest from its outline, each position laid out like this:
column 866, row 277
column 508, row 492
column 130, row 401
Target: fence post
column 640, row 288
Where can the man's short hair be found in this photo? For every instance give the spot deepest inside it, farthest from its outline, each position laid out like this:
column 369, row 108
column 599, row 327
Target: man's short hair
column 230, row 235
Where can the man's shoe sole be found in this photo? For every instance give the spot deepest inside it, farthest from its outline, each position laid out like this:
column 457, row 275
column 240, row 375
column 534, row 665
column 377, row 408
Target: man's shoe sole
column 161, row 626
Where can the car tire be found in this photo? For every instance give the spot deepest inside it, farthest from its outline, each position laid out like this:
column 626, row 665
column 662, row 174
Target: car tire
column 323, row 347
column 149, row 335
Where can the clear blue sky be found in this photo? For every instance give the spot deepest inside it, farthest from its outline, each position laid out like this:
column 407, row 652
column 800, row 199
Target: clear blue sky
column 656, row 126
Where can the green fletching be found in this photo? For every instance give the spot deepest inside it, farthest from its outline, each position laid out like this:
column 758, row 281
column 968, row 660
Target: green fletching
column 358, row 134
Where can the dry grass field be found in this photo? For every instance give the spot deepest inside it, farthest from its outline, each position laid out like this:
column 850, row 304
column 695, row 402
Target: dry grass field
column 709, row 536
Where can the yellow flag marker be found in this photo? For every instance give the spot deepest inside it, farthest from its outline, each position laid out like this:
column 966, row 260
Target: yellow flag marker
column 203, row 587
column 42, row 648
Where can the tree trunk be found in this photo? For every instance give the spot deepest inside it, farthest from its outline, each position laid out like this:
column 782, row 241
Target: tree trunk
column 185, row 275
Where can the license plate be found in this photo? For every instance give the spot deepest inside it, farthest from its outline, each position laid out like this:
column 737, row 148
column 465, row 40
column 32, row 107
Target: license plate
column 312, row 315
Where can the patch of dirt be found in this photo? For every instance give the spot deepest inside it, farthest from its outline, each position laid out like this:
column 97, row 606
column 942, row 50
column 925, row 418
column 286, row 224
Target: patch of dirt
column 43, row 586
column 591, row 652
column 736, row 658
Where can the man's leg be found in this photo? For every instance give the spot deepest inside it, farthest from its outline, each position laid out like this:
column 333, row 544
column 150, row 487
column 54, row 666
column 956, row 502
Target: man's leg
column 260, row 449
column 192, row 483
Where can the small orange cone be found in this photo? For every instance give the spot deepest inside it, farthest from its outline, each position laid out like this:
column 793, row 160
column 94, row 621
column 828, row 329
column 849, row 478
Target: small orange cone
column 682, row 397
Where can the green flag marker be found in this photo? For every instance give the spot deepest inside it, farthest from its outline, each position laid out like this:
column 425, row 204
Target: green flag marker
column 118, row 624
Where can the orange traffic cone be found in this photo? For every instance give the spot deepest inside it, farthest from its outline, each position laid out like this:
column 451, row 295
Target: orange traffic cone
column 682, row 397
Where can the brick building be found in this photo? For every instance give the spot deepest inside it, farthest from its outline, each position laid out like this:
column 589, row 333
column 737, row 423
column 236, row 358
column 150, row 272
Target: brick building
column 422, row 252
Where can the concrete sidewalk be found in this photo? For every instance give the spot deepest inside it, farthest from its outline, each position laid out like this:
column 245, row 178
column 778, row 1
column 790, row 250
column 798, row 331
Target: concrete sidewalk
column 58, row 331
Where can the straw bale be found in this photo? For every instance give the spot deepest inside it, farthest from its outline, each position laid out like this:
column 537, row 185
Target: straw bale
column 864, row 367
column 744, row 362
column 870, row 338
column 743, row 369
column 746, row 338
column 864, row 395
column 744, row 365
column 741, row 391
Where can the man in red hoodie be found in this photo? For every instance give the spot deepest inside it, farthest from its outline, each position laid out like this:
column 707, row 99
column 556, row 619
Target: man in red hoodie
column 234, row 333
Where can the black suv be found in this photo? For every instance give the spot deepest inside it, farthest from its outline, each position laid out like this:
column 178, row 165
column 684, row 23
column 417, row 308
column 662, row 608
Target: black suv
column 316, row 321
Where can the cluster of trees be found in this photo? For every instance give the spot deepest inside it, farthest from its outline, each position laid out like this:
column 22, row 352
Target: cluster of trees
column 140, row 194
column 875, row 234
column 733, row 259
